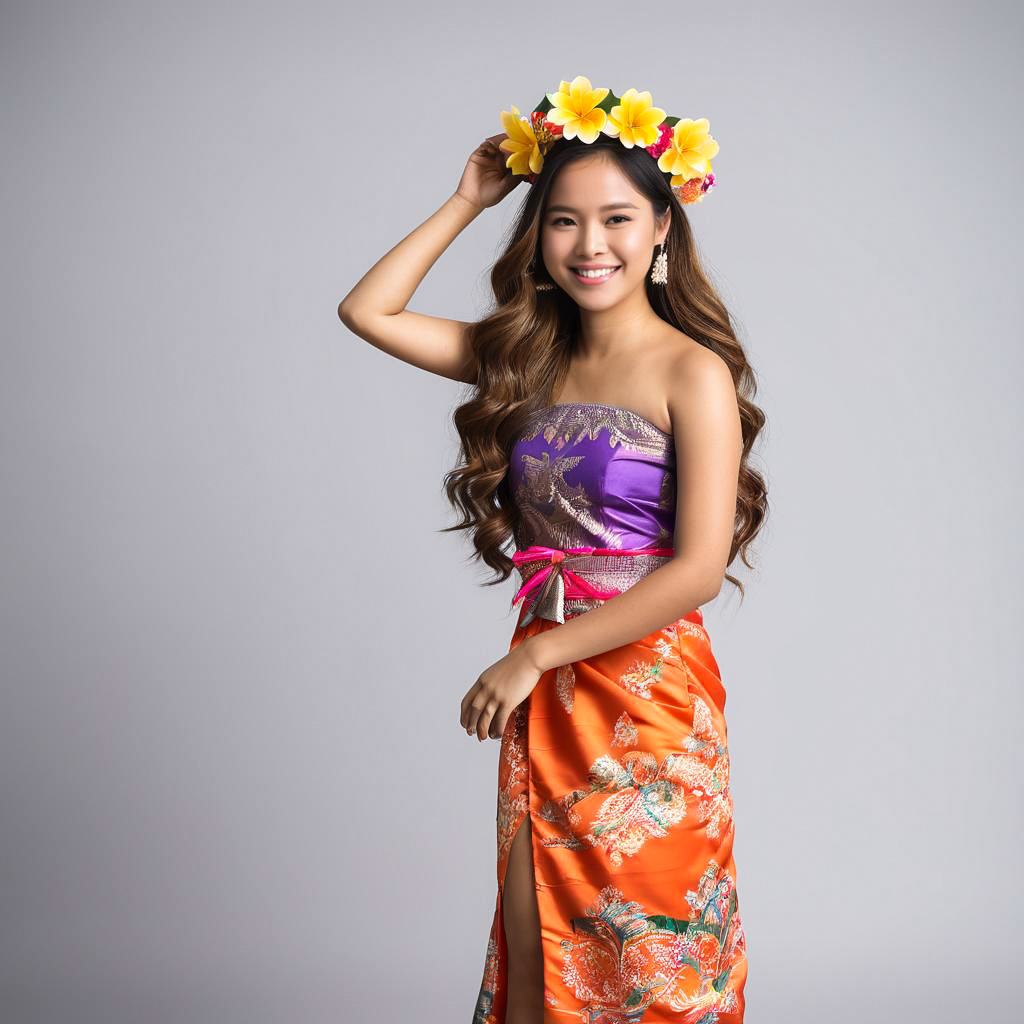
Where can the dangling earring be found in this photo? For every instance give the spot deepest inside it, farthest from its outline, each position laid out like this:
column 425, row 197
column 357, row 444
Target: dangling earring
column 541, row 286
column 659, row 272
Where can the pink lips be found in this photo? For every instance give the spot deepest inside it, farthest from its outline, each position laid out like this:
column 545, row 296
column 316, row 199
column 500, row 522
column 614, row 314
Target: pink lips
column 596, row 280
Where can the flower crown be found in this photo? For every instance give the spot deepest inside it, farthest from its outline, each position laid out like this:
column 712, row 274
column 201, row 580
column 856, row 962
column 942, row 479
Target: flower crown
column 683, row 147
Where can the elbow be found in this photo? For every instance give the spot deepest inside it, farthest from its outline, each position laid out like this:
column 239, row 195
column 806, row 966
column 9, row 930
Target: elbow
column 713, row 589
column 710, row 586
column 703, row 584
column 355, row 320
column 345, row 314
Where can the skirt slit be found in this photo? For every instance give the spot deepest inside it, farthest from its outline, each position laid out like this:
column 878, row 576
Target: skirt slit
column 620, row 763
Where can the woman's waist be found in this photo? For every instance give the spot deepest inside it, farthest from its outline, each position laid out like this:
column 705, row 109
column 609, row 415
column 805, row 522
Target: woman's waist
column 560, row 580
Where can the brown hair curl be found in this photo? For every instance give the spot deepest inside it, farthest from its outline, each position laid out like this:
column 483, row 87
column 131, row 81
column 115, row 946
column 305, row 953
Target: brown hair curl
column 523, row 350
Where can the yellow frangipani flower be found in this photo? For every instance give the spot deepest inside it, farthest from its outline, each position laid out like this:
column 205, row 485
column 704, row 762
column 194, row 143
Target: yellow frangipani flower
column 521, row 143
column 634, row 121
column 575, row 107
column 690, row 150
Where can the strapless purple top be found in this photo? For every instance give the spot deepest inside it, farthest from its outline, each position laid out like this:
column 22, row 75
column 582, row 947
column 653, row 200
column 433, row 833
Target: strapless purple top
column 592, row 475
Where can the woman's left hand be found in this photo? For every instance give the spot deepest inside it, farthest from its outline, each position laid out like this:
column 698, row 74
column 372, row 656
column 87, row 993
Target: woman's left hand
column 498, row 691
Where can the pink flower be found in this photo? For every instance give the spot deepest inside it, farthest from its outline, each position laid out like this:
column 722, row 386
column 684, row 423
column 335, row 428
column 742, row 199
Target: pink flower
column 664, row 138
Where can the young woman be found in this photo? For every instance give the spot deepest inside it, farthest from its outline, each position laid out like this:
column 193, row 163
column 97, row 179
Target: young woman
column 608, row 437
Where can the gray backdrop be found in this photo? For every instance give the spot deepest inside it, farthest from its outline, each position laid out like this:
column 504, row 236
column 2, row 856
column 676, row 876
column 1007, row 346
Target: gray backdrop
column 232, row 780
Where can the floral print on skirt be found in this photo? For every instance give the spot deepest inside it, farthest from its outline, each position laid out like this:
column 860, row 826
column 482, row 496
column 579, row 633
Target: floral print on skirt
column 622, row 764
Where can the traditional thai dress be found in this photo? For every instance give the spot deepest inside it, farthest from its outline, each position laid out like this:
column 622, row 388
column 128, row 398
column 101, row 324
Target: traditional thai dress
column 620, row 760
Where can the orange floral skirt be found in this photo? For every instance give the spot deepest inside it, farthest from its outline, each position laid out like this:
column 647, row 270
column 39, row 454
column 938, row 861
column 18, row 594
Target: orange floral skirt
column 622, row 764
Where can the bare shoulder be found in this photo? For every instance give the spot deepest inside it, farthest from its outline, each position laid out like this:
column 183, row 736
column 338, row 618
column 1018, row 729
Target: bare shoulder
column 699, row 384
column 691, row 369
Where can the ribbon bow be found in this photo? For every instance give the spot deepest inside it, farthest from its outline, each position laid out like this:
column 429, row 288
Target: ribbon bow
column 557, row 581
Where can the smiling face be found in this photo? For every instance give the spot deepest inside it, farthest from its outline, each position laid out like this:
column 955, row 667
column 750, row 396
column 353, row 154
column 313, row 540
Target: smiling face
column 598, row 233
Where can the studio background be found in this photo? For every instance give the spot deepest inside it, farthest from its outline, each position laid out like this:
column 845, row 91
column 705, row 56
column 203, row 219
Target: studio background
column 233, row 642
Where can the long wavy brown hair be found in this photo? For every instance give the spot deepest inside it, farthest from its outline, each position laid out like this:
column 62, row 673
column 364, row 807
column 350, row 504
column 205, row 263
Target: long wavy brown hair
column 524, row 347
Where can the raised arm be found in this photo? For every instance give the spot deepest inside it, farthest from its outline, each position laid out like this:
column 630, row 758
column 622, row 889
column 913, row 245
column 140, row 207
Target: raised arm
column 375, row 308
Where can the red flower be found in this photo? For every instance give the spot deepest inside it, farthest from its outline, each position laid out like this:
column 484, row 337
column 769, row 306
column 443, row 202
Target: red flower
column 659, row 146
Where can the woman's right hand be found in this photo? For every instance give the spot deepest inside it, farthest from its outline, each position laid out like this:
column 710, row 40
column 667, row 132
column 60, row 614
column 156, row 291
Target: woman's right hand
column 486, row 180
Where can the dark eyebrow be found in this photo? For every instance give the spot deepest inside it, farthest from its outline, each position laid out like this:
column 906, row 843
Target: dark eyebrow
column 610, row 206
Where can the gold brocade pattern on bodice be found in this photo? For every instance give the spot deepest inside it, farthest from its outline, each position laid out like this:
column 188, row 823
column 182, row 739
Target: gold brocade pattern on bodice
column 593, row 475
column 552, row 508
column 564, row 425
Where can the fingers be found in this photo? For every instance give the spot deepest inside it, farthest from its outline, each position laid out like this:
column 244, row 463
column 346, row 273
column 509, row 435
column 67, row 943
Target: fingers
column 497, row 729
column 467, row 717
column 483, row 723
column 473, row 704
column 490, row 148
column 478, row 713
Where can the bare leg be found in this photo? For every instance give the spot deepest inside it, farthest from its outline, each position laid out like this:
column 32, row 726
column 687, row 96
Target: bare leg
column 522, row 932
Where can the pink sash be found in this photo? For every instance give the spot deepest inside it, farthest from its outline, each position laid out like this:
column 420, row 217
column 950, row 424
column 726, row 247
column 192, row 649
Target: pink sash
column 558, row 582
